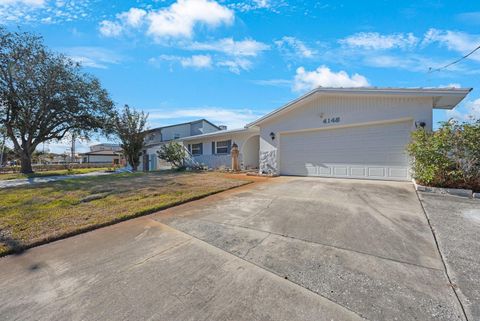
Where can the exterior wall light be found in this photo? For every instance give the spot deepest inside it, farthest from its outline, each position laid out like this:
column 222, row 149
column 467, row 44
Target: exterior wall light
column 272, row 135
column 421, row 124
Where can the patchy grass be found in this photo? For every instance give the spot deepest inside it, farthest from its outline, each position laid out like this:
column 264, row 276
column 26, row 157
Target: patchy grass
column 37, row 214
column 9, row 176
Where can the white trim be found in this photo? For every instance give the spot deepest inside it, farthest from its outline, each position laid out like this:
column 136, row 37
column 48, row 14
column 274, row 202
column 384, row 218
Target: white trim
column 221, row 133
column 222, row 141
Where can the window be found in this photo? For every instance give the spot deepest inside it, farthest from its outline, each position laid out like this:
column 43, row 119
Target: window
column 196, row 149
column 222, row 147
column 176, row 136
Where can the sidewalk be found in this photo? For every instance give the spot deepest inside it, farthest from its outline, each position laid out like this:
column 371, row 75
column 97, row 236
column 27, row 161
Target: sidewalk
column 46, row 179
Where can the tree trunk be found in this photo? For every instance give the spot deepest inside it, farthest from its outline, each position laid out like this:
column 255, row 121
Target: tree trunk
column 132, row 162
column 26, row 163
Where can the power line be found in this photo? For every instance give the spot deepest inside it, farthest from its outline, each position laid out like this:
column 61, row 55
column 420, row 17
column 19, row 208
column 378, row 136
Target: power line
column 430, row 70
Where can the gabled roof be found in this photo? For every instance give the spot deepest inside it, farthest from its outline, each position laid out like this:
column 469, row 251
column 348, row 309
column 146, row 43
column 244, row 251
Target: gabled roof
column 443, row 98
column 181, row 124
column 103, row 153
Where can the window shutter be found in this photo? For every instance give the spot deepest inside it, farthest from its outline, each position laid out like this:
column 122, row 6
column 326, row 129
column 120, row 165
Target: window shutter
column 213, row 148
column 229, row 146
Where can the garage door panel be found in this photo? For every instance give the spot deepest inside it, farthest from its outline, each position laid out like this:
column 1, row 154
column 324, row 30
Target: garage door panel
column 376, row 152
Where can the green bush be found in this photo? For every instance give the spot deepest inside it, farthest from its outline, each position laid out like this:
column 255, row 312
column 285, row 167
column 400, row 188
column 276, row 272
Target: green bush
column 174, row 153
column 447, row 157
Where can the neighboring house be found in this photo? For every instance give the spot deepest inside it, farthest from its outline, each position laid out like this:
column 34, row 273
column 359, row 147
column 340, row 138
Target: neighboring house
column 106, row 146
column 157, row 137
column 331, row 132
column 104, row 154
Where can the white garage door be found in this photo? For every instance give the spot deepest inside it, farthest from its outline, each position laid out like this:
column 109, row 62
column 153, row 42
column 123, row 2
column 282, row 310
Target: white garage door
column 373, row 152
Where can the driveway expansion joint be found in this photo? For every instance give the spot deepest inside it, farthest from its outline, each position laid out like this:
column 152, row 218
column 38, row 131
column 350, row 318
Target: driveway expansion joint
column 256, row 245
column 324, row 244
column 265, row 269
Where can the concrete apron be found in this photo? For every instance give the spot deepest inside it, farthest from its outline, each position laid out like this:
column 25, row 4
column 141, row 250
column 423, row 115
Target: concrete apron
column 364, row 245
column 144, row 270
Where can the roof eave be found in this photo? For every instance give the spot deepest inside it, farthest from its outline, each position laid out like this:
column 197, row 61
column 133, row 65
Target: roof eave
column 219, row 133
column 460, row 93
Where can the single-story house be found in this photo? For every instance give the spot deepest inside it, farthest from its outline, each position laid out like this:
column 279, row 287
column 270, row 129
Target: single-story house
column 102, row 157
column 331, row 132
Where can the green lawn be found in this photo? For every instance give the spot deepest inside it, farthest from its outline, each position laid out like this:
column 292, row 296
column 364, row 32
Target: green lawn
column 51, row 173
column 44, row 212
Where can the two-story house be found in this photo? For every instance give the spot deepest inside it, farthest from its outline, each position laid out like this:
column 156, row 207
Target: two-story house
column 157, row 137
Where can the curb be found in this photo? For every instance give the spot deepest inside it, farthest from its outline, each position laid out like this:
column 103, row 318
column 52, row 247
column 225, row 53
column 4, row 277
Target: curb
column 446, row 191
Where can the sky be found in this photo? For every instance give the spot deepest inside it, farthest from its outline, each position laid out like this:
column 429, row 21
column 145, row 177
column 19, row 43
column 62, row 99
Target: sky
column 234, row 61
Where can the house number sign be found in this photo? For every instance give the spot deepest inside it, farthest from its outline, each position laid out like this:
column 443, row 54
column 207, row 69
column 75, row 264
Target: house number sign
column 331, row 120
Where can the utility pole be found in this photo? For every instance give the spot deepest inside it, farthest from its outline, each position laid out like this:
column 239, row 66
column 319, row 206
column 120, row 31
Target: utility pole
column 2, row 149
column 72, row 157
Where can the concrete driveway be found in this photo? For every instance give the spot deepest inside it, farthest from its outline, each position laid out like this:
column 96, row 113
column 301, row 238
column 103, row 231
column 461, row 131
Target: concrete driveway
column 289, row 249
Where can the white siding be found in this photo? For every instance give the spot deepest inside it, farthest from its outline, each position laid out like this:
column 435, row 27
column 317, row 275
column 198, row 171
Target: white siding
column 208, row 128
column 169, row 132
column 310, row 113
column 215, row 161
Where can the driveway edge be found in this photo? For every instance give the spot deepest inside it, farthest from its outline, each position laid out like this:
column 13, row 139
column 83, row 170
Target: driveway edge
column 452, row 285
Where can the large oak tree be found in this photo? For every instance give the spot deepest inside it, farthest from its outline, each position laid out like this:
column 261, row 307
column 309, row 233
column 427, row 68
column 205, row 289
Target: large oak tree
column 45, row 95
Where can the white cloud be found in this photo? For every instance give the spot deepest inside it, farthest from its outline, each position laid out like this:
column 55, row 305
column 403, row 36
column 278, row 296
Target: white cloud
column 178, row 20
column 454, row 40
column 195, row 61
column 273, row 82
column 238, row 54
column 233, row 118
column 250, row 5
column 110, row 28
column 93, row 57
column 236, row 65
column 262, row 3
column 26, row 2
column 43, row 11
column 243, row 48
column 377, row 41
column 294, row 48
column 466, row 112
column 324, row 77
column 452, row 85
column 133, row 17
